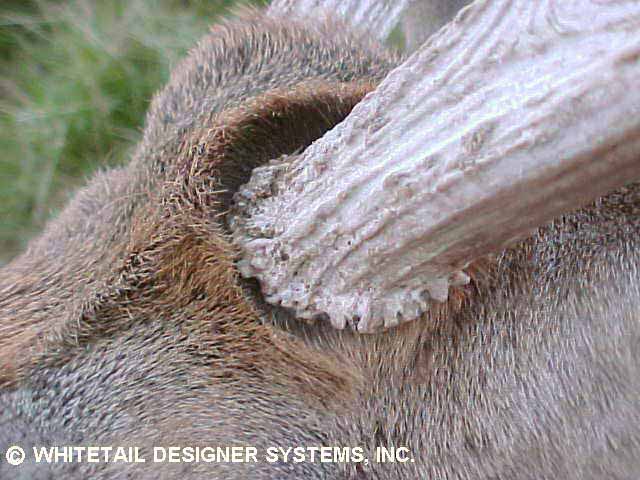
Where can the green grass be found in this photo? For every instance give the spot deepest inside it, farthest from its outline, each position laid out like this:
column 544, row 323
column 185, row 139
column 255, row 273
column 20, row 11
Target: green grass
column 76, row 78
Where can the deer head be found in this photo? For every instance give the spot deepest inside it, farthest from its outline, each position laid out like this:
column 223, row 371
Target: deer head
column 472, row 203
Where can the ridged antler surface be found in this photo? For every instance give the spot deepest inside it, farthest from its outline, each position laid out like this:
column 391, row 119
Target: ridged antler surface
column 516, row 112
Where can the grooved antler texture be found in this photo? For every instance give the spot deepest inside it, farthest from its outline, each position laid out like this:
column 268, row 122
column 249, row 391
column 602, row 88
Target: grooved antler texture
column 516, row 112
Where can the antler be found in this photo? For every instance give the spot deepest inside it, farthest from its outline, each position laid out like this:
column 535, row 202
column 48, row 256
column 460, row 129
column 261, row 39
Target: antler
column 376, row 16
column 516, row 112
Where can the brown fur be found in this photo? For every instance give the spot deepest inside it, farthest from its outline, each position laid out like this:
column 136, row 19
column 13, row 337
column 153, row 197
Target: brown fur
column 126, row 322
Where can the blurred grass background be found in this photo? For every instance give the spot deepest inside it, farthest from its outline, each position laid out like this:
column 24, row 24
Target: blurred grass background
column 76, row 78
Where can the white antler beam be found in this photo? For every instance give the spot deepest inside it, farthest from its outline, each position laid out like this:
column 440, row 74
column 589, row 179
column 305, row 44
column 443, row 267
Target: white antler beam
column 516, row 112
column 379, row 17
